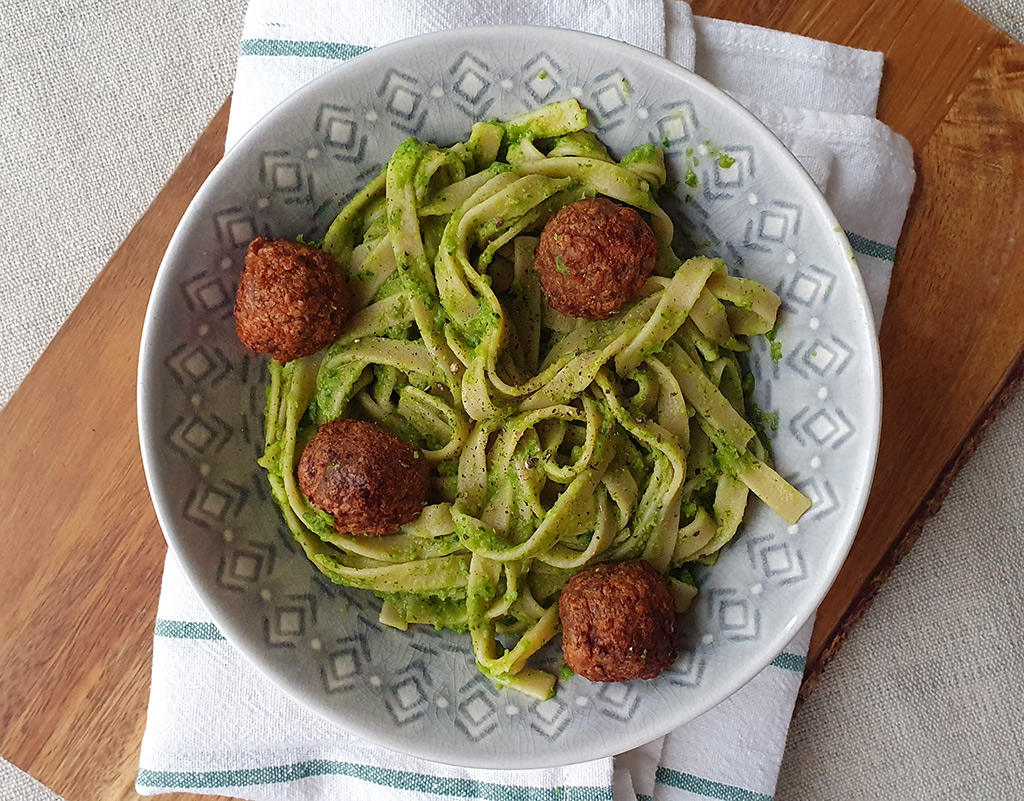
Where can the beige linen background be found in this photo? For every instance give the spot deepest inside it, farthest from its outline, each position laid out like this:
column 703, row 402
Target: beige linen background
column 1006, row 14
column 100, row 101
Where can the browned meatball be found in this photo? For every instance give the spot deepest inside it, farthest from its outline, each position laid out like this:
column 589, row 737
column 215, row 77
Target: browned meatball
column 371, row 481
column 292, row 299
column 593, row 258
column 618, row 622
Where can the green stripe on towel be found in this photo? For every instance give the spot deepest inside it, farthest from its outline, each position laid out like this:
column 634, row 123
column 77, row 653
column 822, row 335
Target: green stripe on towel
column 705, row 787
column 869, row 247
column 185, row 630
column 402, row 780
column 287, row 47
column 788, row 661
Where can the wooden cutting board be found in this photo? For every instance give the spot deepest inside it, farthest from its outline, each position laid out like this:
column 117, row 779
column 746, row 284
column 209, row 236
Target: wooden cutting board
column 81, row 550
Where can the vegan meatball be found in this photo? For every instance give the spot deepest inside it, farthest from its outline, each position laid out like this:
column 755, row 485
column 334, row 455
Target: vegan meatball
column 618, row 622
column 593, row 258
column 292, row 299
column 371, row 481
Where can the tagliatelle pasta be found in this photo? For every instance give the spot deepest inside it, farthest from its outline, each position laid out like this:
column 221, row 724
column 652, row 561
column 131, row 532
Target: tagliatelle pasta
column 554, row 443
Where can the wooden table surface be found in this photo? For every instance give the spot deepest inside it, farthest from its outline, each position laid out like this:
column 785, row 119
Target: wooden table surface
column 82, row 552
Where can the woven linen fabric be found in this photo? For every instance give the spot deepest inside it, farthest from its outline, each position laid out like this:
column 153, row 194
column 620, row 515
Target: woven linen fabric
column 100, row 102
column 15, row 785
column 1006, row 14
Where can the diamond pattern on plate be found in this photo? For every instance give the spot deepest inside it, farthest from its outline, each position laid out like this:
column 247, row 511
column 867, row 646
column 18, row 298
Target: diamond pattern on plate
column 722, row 183
column 242, row 567
column 197, row 436
column 542, row 77
column 782, row 563
column 778, row 562
column 618, row 700
column 550, row 718
column 407, row 699
column 807, row 287
column 343, row 665
column 610, row 97
column 821, row 357
column 774, row 225
column 822, row 427
column 403, row 100
column 289, row 621
column 779, row 222
column 209, row 293
column 678, row 125
column 196, row 364
column 340, row 132
column 477, row 714
column 824, row 499
column 736, row 617
column 688, row 671
column 284, row 174
column 473, row 84
column 737, row 174
column 214, row 504
column 236, row 227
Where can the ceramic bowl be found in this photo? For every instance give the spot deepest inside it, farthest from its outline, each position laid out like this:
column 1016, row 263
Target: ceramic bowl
column 201, row 394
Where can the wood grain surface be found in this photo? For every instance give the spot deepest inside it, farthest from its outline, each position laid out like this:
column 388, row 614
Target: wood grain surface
column 82, row 553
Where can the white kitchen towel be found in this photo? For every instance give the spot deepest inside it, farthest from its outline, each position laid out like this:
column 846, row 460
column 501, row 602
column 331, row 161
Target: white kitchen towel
column 215, row 726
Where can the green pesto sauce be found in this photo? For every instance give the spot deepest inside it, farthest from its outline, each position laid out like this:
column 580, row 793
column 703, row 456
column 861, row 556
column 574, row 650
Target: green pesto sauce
column 725, row 457
column 684, row 575
column 405, row 161
column 725, row 161
column 768, row 420
column 640, row 154
column 448, row 468
column 747, row 384
column 484, row 593
column 441, row 610
column 317, row 244
column 481, row 536
column 774, row 344
column 320, row 523
column 482, row 322
column 765, row 424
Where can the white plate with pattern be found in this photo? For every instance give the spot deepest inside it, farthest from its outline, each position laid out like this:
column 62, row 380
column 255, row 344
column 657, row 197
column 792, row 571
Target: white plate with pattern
column 201, row 395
